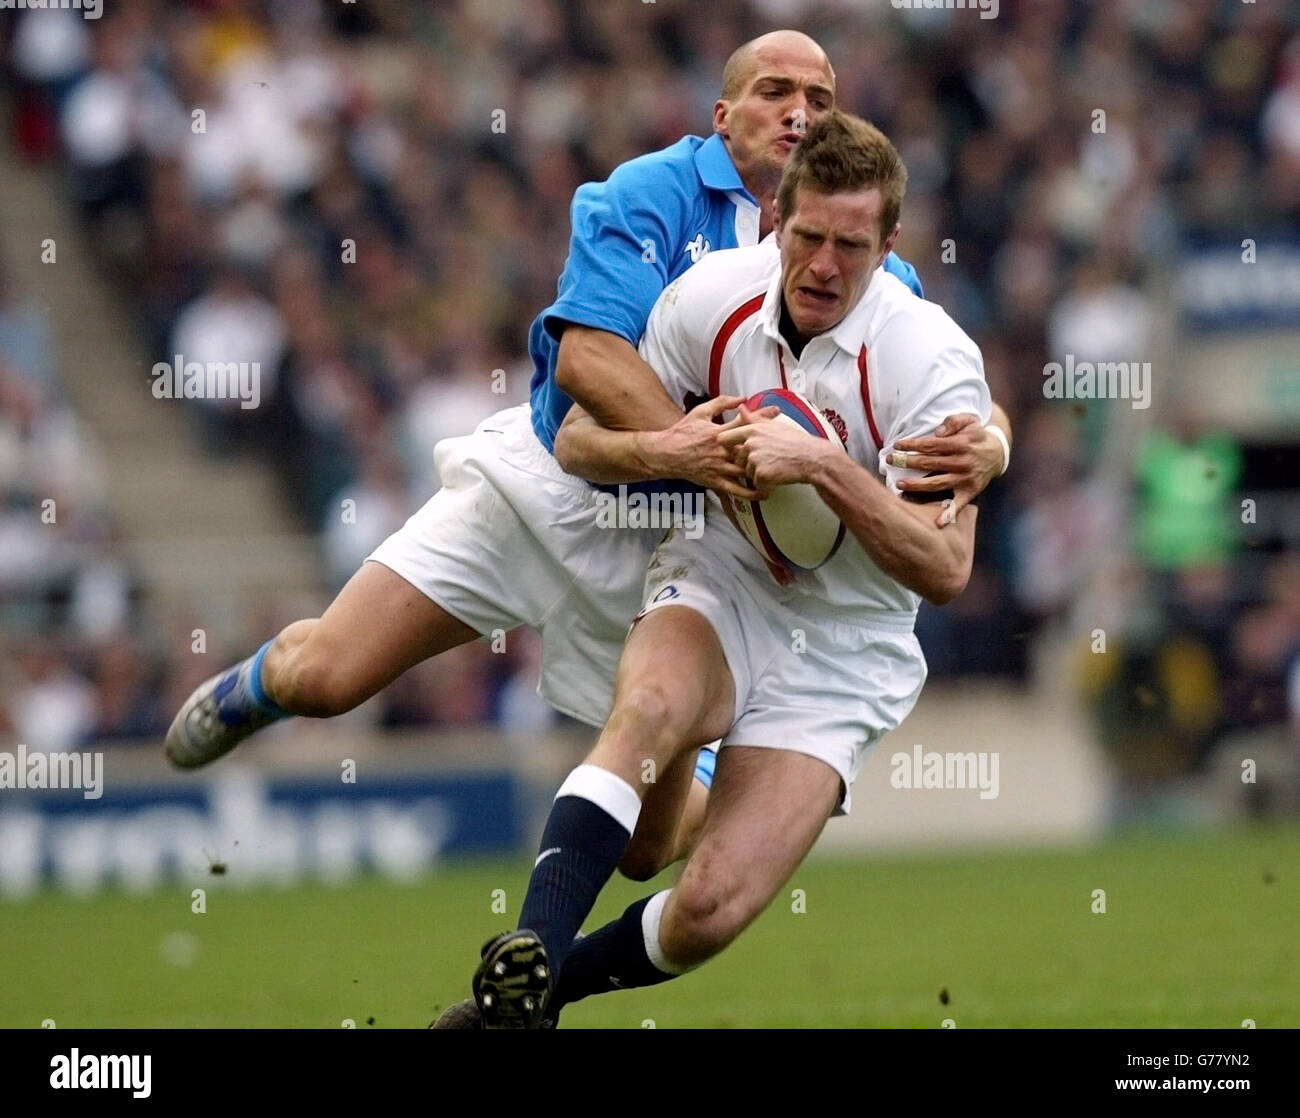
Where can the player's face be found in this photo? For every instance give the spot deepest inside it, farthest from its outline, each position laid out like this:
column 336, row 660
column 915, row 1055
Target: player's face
column 830, row 246
column 789, row 89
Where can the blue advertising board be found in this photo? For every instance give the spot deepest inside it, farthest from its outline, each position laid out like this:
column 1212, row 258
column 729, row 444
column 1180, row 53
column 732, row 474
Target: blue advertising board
column 257, row 827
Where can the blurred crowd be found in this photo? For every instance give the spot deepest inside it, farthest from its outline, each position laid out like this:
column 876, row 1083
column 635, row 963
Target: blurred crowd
column 371, row 200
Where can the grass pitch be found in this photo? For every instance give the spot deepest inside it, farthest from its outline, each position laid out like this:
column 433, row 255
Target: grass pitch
column 1199, row 930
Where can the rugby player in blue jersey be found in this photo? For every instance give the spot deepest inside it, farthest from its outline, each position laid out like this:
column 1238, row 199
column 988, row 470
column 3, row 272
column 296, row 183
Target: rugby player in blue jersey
column 511, row 539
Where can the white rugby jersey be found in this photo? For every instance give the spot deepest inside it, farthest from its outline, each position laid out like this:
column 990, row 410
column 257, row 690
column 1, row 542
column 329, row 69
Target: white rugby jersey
column 894, row 367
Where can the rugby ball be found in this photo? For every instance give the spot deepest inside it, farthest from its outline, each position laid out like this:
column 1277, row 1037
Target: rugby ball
column 792, row 527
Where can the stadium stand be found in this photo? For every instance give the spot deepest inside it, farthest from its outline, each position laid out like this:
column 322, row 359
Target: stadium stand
column 1044, row 228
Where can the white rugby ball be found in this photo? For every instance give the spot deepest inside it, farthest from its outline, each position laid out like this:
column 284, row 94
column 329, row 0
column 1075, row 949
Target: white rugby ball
column 792, row 527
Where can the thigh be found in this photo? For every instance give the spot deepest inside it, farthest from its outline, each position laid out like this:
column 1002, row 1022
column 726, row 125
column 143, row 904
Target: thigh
column 672, row 678
column 766, row 809
column 380, row 625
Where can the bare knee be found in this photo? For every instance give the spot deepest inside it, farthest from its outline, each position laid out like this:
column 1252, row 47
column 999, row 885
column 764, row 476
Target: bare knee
column 312, row 679
column 655, row 722
column 644, row 710
column 642, row 861
column 702, row 916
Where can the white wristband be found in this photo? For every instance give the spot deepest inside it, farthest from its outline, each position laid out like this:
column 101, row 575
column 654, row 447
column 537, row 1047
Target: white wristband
column 995, row 430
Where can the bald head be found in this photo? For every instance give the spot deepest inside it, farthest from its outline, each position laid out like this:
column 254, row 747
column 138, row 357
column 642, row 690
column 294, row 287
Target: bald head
column 773, row 88
column 774, row 48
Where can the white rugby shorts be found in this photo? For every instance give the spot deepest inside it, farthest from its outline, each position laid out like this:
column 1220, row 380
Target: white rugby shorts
column 511, row 539
column 806, row 679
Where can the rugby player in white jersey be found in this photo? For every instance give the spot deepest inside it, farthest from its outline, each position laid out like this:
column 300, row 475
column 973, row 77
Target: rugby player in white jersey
column 713, row 654
column 512, row 539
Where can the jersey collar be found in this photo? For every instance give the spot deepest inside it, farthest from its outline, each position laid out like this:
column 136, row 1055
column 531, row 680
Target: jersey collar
column 851, row 331
column 716, row 170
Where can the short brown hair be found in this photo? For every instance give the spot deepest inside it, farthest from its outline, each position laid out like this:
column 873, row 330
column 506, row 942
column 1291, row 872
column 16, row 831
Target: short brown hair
column 844, row 152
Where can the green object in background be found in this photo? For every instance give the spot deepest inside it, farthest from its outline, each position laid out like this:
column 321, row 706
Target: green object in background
column 1184, row 515
column 1198, row 931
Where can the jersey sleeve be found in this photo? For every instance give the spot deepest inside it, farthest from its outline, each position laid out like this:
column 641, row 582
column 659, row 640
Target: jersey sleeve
column 936, row 381
column 674, row 343
column 623, row 241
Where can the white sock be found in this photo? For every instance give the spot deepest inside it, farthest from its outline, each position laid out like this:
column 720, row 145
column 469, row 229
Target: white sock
column 601, row 787
column 650, row 918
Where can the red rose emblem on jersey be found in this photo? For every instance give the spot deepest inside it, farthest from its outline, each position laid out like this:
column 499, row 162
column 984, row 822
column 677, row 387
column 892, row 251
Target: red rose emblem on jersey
column 841, row 428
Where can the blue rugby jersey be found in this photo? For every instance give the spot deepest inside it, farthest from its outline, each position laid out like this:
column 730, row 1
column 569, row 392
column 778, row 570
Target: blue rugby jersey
column 634, row 234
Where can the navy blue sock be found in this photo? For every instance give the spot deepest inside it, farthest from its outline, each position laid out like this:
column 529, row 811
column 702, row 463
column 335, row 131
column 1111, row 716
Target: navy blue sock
column 611, row 958
column 581, row 847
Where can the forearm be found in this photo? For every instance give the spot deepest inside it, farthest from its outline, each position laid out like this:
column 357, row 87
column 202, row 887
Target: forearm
column 901, row 538
column 963, row 456
column 690, row 450
column 587, row 450
column 607, row 377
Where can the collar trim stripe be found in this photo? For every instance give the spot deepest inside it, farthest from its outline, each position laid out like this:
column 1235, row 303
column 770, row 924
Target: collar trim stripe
column 744, row 311
column 864, row 384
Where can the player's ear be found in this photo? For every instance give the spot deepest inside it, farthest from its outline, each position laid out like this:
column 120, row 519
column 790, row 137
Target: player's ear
column 889, row 241
column 720, row 117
